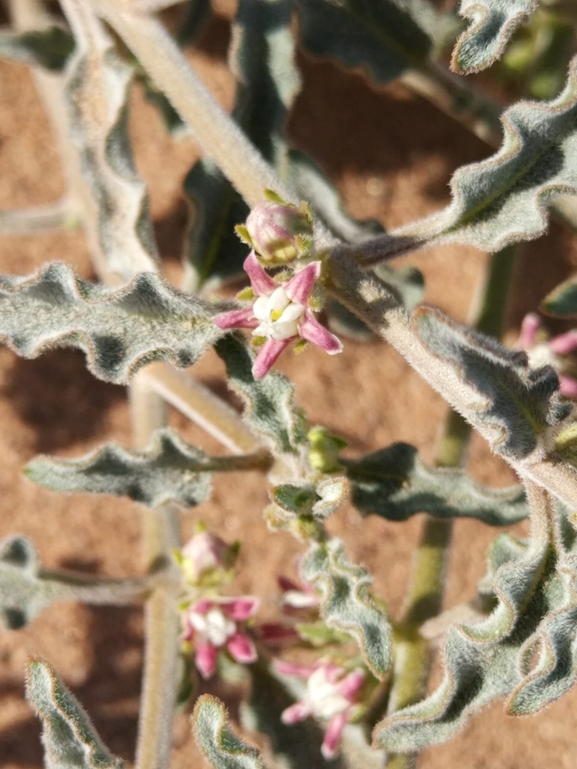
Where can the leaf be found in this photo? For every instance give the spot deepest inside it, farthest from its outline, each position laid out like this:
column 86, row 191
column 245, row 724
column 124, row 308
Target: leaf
column 562, row 301
column 318, row 500
column 395, row 484
column 536, row 612
column 515, row 403
column 70, row 741
column 222, row 748
column 97, row 90
column 346, row 604
column 168, row 470
column 269, row 403
column 49, row 48
column 492, row 24
column 119, row 330
column 504, row 199
column 382, row 37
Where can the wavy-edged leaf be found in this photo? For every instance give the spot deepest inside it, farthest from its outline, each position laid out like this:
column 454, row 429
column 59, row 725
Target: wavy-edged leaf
column 504, row 199
column 536, row 612
column 492, row 22
column 49, row 48
column 346, row 604
column 168, row 470
column 562, row 301
column 382, row 37
column 97, row 91
column 395, row 484
column 222, row 748
column 119, row 330
column 515, row 403
column 70, row 741
column 269, row 403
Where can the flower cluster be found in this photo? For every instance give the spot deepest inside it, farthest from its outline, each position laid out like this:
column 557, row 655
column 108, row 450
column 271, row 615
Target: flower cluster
column 543, row 350
column 281, row 311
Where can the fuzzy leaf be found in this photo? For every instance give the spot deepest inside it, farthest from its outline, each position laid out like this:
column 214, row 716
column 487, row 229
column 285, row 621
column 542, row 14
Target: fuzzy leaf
column 119, row 330
column 168, row 470
column 504, row 199
column 346, row 604
column 70, row 741
column 536, row 612
column 97, row 91
column 562, row 301
column 222, row 748
column 382, row 37
column 508, row 399
column 319, row 500
column 492, row 22
column 49, row 48
column 395, row 484
column 269, row 403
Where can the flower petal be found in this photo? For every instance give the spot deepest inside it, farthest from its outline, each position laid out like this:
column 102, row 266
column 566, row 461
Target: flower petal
column 275, row 633
column 300, row 286
column 202, row 606
column 333, row 735
column 297, row 712
column 268, row 355
column 205, row 659
column 262, row 284
column 564, row 343
column 314, row 332
column 351, row 684
column 529, row 328
column 236, row 319
column 241, row 648
column 568, row 386
column 240, row 608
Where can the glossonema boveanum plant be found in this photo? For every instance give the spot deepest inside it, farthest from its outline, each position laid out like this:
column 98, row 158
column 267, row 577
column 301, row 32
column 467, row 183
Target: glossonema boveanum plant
column 334, row 679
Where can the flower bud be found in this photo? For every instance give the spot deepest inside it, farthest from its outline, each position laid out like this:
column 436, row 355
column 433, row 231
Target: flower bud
column 202, row 553
column 280, row 232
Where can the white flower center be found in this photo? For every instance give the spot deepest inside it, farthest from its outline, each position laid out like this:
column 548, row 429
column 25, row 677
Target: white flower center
column 279, row 317
column 542, row 355
column 323, row 697
column 214, row 626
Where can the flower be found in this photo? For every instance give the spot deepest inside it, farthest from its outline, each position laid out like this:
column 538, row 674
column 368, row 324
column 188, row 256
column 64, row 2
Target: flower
column 542, row 351
column 203, row 553
column 211, row 625
column 331, row 695
column 279, row 231
column 279, row 314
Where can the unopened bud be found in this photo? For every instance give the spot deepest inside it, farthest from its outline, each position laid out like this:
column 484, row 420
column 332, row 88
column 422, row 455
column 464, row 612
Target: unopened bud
column 202, row 553
column 324, row 450
column 279, row 232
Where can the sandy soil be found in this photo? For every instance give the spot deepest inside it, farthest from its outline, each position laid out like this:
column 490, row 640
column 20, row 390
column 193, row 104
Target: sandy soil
column 368, row 395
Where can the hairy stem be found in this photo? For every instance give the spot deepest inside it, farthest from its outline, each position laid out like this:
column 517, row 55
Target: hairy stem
column 39, row 219
column 427, row 583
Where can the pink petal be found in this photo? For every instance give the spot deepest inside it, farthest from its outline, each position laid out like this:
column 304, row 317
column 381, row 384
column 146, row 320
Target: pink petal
column 333, row 735
column 262, row 284
column 205, row 659
column 299, row 288
column 287, row 584
column 236, row 319
column 241, row 648
column 292, row 669
column 240, row 608
column 311, row 330
column 202, row 606
column 297, row 712
column 529, row 328
column 268, row 355
column 351, row 684
column 564, row 343
column 274, row 633
column 568, row 386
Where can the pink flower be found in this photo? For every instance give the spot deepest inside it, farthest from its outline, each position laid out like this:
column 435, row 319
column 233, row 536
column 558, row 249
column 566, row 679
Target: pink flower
column 279, row 314
column 331, row 695
column 297, row 596
column 212, row 626
column 542, row 351
column 202, row 553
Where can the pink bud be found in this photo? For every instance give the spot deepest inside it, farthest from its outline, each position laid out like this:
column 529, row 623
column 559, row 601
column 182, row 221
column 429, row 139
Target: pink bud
column 204, row 552
column 278, row 231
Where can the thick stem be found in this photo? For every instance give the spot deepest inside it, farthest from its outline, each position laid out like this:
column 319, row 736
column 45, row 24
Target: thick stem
column 426, row 589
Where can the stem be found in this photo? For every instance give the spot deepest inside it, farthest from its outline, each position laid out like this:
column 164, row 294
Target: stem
column 39, row 219
column 426, row 588
column 161, row 536
column 88, row 589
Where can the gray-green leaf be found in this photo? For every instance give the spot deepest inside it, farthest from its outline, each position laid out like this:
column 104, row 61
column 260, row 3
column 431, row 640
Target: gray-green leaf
column 119, row 330
column 562, row 301
column 49, row 48
column 222, row 748
column 492, row 22
column 346, row 604
column 395, row 484
column 70, row 741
